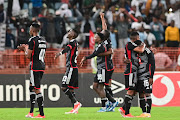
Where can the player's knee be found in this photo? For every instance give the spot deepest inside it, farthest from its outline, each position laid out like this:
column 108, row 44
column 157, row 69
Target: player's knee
column 131, row 92
column 141, row 95
column 31, row 88
column 63, row 89
column 71, row 89
column 148, row 95
column 107, row 87
column 94, row 87
column 37, row 91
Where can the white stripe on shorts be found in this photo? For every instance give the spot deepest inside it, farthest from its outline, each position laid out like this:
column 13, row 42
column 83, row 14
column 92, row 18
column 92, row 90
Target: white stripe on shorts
column 32, row 78
column 69, row 75
column 130, row 79
column 103, row 75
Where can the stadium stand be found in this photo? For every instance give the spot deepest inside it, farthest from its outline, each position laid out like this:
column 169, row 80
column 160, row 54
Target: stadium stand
column 145, row 16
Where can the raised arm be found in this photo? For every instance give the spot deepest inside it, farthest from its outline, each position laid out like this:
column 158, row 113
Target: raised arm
column 104, row 25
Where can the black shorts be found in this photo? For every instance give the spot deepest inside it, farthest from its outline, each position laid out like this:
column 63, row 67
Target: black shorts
column 70, row 79
column 143, row 86
column 102, row 76
column 110, row 74
column 35, row 78
column 130, row 81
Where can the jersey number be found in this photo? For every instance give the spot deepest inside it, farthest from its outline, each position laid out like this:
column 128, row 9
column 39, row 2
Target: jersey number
column 146, row 84
column 41, row 55
column 64, row 80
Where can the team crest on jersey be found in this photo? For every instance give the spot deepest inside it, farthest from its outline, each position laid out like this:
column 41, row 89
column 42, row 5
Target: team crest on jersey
column 105, row 42
column 98, row 47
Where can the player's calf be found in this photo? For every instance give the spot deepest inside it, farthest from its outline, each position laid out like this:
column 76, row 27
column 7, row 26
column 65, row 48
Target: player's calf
column 69, row 94
column 32, row 98
column 142, row 102
column 148, row 103
column 40, row 102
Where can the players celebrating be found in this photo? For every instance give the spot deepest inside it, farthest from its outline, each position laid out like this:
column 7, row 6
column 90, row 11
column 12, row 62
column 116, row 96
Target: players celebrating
column 70, row 79
column 111, row 104
column 145, row 80
column 131, row 52
column 35, row 51
column 101, row 75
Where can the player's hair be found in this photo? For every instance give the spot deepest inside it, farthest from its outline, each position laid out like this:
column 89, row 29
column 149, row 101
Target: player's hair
column 76, row 33
column 138, row 42
column 134, row 34
column 36, row 26
column 106, row 34
column 101, row 36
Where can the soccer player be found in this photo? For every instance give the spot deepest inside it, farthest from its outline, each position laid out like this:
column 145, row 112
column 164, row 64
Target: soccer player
column 145, row 80
column 101, row 77
column 131, row 52
column 111, row 104
column 70, row 79
column 35, row 51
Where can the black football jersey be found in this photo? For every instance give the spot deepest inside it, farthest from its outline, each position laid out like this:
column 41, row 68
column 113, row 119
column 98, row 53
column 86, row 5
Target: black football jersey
column 71, row 56
column 109, row 62
column 38, row 46
column 133, row 56
column 101, row 63
column 146, row 65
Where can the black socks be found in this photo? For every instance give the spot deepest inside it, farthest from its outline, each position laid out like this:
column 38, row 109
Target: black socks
column 109, row 95
column 103, row 100
column 70, row 95
column 142, row 104
column 148, row 103
column 40, row 103
column 128, row 99
column 32, row 100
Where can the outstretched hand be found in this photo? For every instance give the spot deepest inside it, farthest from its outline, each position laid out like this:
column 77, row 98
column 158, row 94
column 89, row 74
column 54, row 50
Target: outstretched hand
column 56, row 56
column 22, row 47
column 82, row 61
column 127, row 61
column 154, row 50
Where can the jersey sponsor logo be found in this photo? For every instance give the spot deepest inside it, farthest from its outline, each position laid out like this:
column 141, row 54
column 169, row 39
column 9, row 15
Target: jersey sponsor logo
column 148, row 51
column 166, row 89
column 42, row 46
column 105, row 42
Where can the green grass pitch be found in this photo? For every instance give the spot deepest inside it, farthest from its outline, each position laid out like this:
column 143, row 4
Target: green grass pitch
column 89, row 113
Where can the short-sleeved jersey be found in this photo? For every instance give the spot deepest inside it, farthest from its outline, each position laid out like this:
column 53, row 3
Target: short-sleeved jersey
column 146, row 65
column 133, row 56
column 100, row 59
column 71, row 56
column 38, row 46
column 109, row 62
